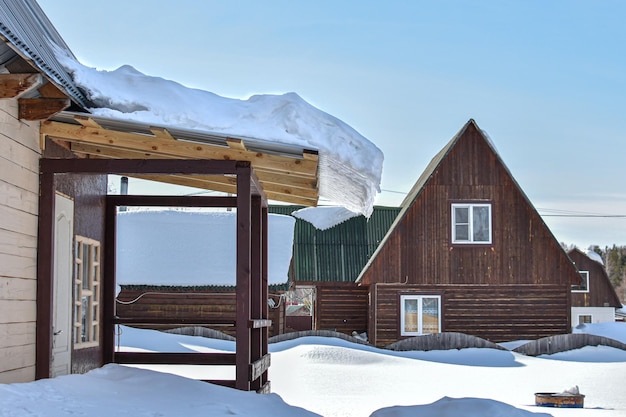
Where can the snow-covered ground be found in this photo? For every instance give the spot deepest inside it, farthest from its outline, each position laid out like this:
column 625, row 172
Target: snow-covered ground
column 332, row 377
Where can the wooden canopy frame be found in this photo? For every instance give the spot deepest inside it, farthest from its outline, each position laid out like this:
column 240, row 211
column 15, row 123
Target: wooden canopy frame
column 251, row 357
column 286, row 173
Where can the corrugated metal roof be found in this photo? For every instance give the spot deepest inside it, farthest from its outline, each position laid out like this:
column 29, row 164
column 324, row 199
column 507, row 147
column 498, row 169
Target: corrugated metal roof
column 29, row 31
column 189, row 135
column 337, row 254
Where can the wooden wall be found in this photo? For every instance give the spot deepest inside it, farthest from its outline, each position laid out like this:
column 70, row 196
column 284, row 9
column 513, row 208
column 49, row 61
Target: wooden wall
column 498, row 314
column 88, row 193
column 418, row 251
column 342, row 307
column 601, row 291
column 189, row 304
column 19, row 191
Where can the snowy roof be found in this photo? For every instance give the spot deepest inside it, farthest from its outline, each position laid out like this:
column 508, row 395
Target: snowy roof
column 594, row 256
column 192, row 248
column 350, row 166
column 347, row 167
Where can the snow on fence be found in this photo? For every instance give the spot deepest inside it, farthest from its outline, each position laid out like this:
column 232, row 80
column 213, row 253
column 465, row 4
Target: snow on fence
column 201, row 331
column 442, row 341
column 323, row 333
column 565, row 342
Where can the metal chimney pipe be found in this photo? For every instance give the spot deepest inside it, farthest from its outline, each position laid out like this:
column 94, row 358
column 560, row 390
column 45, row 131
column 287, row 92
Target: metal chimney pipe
column 123, row 190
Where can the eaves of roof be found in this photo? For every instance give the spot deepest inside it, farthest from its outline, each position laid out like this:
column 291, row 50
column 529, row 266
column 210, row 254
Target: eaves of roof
column 29, row 33
column 287, row 173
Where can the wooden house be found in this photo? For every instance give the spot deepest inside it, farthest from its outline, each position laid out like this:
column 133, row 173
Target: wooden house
column 57, row 228
column 468, row 253
column 325, row 264
column 594, row 299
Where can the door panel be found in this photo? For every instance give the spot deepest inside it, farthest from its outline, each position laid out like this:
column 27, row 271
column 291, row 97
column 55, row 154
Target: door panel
column 62, row 288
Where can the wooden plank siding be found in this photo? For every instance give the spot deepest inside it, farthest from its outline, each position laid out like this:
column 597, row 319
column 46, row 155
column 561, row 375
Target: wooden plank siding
column 601, row 292
column 19, row 190
column 478, row 279
column 342, row 308
column 215, row 308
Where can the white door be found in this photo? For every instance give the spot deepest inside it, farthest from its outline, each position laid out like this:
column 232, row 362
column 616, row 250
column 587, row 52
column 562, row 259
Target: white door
column 62, row 286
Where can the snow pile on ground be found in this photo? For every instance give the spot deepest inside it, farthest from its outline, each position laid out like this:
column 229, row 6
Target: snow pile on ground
column 350, row 166
column 124, row 391
column 456, row 407
column 333, row 377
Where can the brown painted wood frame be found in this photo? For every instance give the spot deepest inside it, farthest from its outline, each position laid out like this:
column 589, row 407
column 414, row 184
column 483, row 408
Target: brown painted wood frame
column 251, row 357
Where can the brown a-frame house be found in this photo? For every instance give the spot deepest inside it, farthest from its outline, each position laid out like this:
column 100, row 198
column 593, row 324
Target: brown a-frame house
column 468, row 253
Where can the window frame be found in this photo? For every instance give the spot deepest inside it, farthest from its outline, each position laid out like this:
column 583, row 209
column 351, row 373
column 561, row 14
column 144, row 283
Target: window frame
column 87, row 288
column 579, row 288
column 420, row 324
column 585, row 322
column 470, row 223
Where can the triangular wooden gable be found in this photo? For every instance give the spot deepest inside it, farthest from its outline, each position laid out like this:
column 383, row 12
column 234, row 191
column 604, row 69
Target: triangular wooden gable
column 418, row 248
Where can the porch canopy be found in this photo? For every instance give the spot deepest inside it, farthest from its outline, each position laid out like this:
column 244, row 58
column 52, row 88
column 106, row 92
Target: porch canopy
column 251, row 170
column 286, row 173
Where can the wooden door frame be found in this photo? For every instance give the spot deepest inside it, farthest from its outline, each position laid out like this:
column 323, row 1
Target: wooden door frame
column 252, row 357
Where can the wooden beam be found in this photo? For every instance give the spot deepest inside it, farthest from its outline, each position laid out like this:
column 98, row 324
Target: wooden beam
column 244, row 232
column 33, row 109
column 159, row 146
column 172, row 201
column 293, row 196
column 141, row 166
column 15, row 85
column 265, row 176
column 88, row 122
column 175, row 358
column 49, row 90
column 236, row 144
column 161, row 132
column 45, row 276
column 259, row 366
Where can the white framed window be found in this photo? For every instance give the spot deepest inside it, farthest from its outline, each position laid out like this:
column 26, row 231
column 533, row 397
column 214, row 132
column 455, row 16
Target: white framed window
column 584, row 283
column 585, row 319
column 471, row 223
column 86, row 292
column 420, row 314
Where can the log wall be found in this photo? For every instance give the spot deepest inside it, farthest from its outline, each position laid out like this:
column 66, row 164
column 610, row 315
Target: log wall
column 209, row 307
column 497, row 313
column 342, row 308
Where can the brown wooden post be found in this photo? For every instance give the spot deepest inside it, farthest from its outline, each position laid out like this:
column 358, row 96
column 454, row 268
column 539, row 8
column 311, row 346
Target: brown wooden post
column 45, row 275
column 109, row 284
column 242, row 332
column 256, row 284
column 264, row 287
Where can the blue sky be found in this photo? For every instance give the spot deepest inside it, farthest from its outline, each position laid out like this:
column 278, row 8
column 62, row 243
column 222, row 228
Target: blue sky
column 545, row 80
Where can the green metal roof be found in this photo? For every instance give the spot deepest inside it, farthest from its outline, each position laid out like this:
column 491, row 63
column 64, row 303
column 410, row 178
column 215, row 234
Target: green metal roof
column 337, row 254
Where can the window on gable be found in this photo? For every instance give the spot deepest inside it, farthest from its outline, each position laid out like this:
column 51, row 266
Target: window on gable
column 471, row 223
column 86, row 292
column 584, row 283
column 420, row 314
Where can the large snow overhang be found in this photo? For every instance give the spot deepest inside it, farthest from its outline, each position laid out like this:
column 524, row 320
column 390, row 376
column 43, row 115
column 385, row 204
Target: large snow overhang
column 286, row 173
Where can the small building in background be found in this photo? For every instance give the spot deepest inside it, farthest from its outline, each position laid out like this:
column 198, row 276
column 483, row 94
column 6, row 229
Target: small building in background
column 594, row 299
